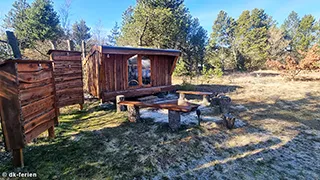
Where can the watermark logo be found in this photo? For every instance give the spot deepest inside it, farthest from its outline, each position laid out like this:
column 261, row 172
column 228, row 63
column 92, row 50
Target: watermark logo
column 19, row 175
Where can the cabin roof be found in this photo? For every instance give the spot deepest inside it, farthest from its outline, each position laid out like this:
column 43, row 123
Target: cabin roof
column 135, row 50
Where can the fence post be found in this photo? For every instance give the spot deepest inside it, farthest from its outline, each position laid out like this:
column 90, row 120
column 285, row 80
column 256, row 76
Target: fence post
column 70, row 45
column 83, row 49
column 12, row 41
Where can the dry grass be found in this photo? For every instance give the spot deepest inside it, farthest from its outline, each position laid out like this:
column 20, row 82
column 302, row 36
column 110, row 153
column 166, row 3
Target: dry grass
column 267, row 94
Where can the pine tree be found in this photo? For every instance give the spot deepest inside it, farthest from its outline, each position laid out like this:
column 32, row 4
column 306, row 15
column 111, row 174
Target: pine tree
column 113, row 37
column 251, row 37
column 306, row 36
column 80, row 32
column 160, row 24
column 317, row 30
column 194, row 49
column 15, row 19
column 42, row 23
column 241, row 31
column 17, row 15
column 220, row 48
column 290, row 28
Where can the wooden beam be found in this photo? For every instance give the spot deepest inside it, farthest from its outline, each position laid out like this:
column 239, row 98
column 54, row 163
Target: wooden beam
column 83, row 49
column 169, row 106
column 139, row 70
column 195, row 92
column 137, row 51
column 12, row 41
column 137, row 92
column 174, row 65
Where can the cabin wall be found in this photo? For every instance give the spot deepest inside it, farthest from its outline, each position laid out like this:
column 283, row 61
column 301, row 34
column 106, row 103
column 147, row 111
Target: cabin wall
column 114, row 72
column 91, row 75
column 160, row 70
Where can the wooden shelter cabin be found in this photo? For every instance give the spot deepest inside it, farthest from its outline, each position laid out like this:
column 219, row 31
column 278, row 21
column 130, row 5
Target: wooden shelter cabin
column 128, row 71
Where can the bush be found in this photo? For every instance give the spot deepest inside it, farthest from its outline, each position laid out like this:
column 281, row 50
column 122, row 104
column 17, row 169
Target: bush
column 292, row 67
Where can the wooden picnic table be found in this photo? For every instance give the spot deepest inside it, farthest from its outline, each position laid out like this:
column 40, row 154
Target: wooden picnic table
column 205, row 95
column 174, row 111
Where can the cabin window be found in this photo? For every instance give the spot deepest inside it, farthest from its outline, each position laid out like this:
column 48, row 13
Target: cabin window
column 146, row 70
column 133, row 77
column 139, row 71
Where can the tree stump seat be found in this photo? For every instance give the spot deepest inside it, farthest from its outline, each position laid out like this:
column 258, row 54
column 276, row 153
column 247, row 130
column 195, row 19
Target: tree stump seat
column 174, row 114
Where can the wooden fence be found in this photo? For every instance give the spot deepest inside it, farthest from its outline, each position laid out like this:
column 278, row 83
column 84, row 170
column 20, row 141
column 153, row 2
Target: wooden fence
column 27, row 103
column 67, row 70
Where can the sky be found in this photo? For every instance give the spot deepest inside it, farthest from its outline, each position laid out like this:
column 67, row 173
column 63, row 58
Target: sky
column 110, row 11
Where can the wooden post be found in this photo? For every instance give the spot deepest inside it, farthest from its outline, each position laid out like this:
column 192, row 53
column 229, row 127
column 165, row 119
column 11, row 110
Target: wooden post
column 70, row 45
column 17, row 158
column 51, row 132
column 182, row 100
column 229, row 120
column 12, row 41
column 120, row 108
column 133, row 113
column 205, row 100
column 83, row 49
column 81, row 106
column 174, row 120
column 224, row 102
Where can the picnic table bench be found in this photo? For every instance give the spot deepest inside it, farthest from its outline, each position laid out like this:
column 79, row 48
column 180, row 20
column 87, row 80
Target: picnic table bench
column 174, row 111
column 205, row 95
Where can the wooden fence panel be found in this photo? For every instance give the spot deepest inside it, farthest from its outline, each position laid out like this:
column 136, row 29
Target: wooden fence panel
column 68, row 77
column 27, row 103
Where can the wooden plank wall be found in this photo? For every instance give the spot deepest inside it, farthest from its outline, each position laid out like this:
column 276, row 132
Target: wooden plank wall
column 9, row 108
column 160, row 70
column 68, row 78
column 37, row 97
column 28, row 105
column 113, row 72
column 91, row 74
